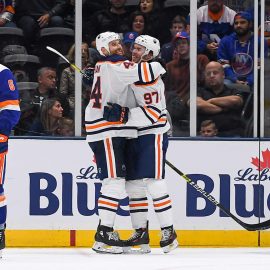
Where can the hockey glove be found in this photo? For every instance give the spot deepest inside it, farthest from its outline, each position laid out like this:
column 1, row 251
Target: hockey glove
column 3, row 143
column 115, row 113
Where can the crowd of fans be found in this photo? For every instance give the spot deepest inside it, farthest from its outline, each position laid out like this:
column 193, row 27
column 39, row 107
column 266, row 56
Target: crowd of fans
column 225, row 60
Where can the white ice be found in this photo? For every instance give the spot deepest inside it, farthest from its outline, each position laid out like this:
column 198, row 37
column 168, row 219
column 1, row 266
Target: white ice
column 179, row 259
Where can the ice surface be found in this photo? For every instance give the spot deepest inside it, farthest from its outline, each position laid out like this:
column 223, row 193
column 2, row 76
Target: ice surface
column 179, row 259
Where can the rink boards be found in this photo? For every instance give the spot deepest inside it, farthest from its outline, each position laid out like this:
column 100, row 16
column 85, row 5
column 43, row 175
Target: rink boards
column 52, row 190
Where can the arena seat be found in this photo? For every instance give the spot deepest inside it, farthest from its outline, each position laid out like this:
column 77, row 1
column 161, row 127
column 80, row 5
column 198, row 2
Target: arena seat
column 59, row 38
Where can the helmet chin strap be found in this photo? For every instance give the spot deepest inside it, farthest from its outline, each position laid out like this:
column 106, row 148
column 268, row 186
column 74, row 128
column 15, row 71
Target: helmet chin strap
column 145, row 54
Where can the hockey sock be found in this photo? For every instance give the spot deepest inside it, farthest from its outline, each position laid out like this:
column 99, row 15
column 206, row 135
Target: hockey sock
column 163, row 209
column 107, row 207
column 138, row 208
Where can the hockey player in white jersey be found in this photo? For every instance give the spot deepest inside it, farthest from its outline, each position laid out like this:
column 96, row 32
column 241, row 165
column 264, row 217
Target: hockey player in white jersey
column 106, row 139
column 146, row 155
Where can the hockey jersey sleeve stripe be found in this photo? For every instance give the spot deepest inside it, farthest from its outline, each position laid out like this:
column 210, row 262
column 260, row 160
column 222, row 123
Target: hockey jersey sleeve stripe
column 155, row 109
column 150, row 111
column 146, row 114
column 4, row 104
column 11, row 107
column 88, row 127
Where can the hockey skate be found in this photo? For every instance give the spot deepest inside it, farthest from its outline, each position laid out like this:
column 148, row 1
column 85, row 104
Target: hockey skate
column 107, row 241
column 140, row 239
column 168, row 240
column 2, row 241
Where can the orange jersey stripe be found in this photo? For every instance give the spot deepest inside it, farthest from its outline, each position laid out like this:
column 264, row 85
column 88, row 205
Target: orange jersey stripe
column 8, row 102
column 162, row 120
column 152, row 112
column 107, row 203
column 110, row 158
column 138, row 204
column 145, row 72
column 103, row 125
column 162, row 204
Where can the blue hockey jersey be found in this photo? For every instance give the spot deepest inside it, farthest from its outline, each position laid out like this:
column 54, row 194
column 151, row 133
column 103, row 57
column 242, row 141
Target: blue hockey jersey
column 9, row 105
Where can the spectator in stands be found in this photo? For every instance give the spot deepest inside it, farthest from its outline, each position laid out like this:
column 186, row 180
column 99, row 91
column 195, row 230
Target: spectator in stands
column 47, row 89
column 267, row 22
column 128, row 41
column 33, row 15
column 69, row 14
column 219, row 103
column 67, row 81
column 47, row 122
column 177, row 80
column 7, row 12
column 138, row 22
column 115, row 19
column 208, row 129
column 236, row 51
column 92, row 6
column 178, row 24
column 65, row 127
column 215, row 20
column 157, row 23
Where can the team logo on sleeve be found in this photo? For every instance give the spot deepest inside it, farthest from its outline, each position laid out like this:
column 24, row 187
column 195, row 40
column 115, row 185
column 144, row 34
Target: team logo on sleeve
column 11, row 85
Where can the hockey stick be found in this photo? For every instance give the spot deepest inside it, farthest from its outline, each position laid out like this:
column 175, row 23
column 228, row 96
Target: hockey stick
column 63, row 57
column 250, row 227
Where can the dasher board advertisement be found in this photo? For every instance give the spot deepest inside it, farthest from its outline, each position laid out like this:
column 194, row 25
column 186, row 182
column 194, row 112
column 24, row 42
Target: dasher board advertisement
column 54, row 185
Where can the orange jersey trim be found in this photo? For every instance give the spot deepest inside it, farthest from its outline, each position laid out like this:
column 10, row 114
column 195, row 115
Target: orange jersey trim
column 8, row 102
column 151, row 112
column 103, row 125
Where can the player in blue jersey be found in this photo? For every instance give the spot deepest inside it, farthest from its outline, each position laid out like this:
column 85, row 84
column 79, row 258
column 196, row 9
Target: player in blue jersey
column 9, row 117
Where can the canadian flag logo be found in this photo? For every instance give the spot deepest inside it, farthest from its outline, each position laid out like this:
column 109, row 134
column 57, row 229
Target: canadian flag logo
column 263, row 163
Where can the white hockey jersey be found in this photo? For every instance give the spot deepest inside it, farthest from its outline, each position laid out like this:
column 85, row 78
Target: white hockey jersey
column 111, row 80
column 150, row 98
